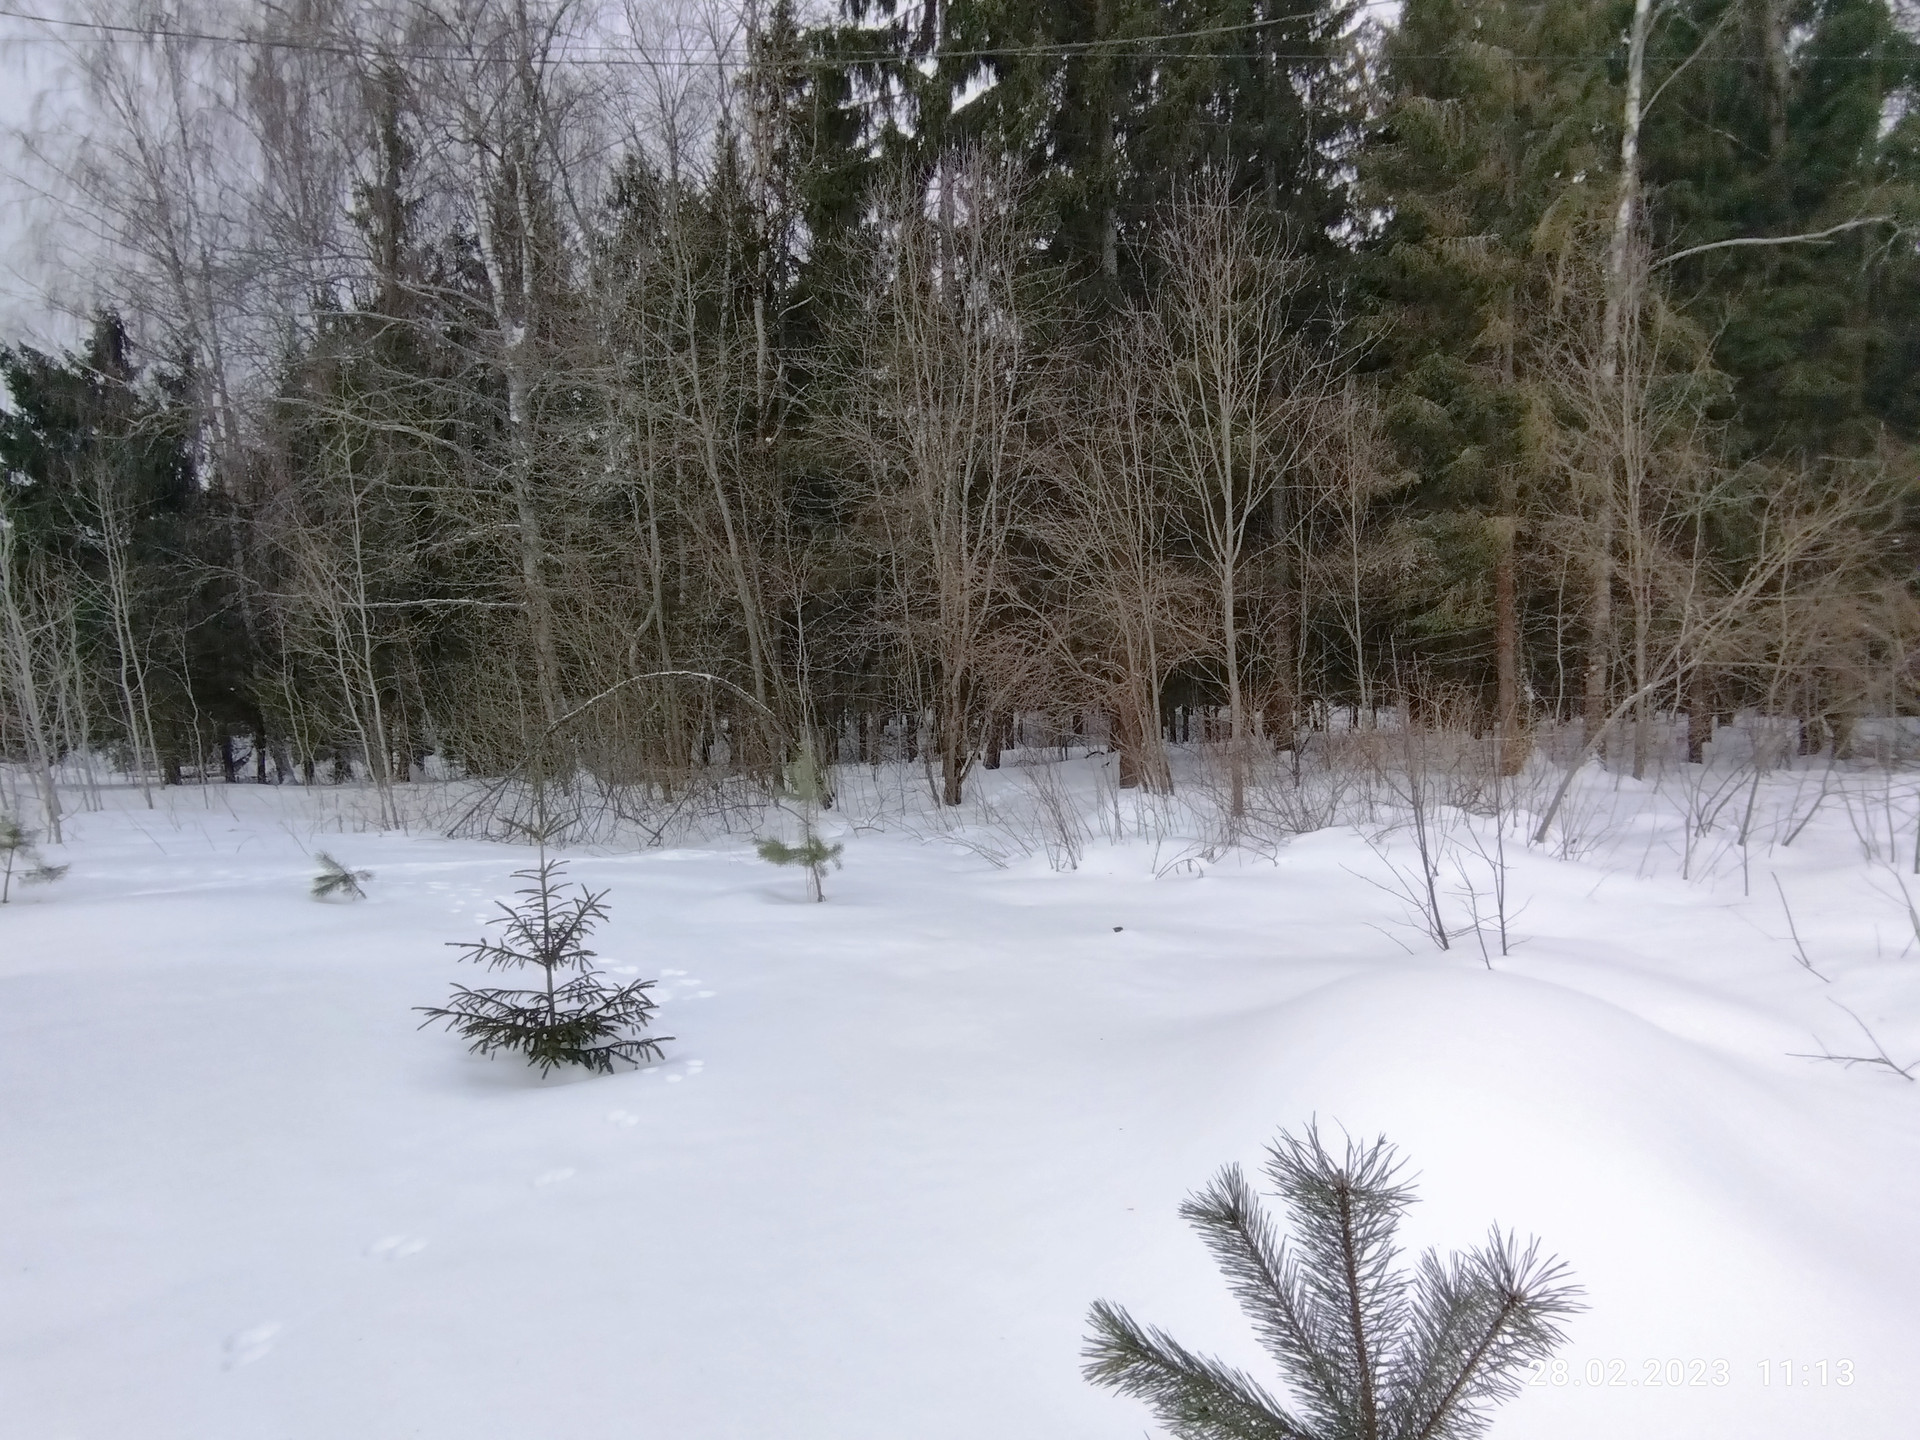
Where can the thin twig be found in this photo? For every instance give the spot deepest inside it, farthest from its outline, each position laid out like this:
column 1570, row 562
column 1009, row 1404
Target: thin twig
column 1879, row 1058
column 1799, row 950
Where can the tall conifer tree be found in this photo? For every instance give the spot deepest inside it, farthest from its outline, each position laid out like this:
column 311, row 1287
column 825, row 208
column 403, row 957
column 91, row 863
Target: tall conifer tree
column 1486, row 161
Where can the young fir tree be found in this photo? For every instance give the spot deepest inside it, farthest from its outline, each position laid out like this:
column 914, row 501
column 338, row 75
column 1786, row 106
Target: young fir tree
column 20, row 860
column 1372, row 1352
column 805, row 785
column 336, row 879
column 574, row 1017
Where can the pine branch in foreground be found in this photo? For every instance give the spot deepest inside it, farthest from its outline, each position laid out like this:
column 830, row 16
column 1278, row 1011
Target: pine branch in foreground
column 1195, row 1398
column 1373, row 1354
column 573, row 1018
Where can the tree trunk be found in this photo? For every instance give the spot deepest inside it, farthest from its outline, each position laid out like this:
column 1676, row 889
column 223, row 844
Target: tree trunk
column 1620, row 312
column 1699, row 717
column 1124, row 726
column 953, row 759
column 1506, row 650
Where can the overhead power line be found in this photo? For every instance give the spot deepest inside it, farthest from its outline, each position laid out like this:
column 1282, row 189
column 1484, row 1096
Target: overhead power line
column 640, row 55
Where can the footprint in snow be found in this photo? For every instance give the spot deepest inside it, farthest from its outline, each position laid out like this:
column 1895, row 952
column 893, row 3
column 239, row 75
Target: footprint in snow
column 622, row 1117
column 243, row 1347
column 396, row 1247
column 554, row 1177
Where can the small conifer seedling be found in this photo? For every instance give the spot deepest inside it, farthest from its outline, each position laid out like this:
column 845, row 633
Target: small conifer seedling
column 574, row 1017
column 336, row 879
column 20, row 861
column 812, row 852
column 805, row 785
column 1371, row 1352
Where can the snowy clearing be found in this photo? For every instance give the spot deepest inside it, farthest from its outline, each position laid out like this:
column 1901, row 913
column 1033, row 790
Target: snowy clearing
column 902, row 1139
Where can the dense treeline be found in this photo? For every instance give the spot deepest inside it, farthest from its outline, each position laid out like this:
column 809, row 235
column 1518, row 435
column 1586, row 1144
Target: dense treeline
column 644, row 404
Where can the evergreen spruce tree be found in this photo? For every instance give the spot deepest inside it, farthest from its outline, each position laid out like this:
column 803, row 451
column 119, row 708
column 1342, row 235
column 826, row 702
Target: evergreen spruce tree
column 1488, row 163
column 574, row 1018
column 20, row 860
column 805, row 785
column 1371, row 1352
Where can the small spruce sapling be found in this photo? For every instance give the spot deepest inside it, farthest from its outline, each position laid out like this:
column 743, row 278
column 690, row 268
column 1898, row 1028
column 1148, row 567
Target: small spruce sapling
column 574, row 1018
column 20, row 860
column 336, row 879
column 805, row 785
column 1372, row 1352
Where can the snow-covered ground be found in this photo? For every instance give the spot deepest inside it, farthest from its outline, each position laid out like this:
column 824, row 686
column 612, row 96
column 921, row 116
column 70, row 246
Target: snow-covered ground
column 902, row 1139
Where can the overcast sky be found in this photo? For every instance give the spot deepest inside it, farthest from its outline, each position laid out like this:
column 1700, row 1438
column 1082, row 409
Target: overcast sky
column 33, row 77
column 39, row 290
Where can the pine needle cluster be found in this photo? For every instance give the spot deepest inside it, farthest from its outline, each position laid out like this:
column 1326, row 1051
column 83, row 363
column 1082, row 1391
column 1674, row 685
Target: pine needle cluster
column 20, row 860
column 812, row 851
column 337, row 879
column 1371, row 1351
column 575, row 1017
column 805, row 784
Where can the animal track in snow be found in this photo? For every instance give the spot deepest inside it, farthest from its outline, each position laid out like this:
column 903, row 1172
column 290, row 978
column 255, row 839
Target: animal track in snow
column 243, row 1347
column 554, row 1177
column 694, row 1067
column 622, row 1117
column 396, row 1247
